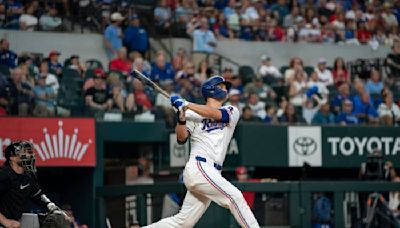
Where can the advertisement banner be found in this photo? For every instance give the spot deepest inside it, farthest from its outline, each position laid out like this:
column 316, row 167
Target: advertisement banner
column 179, row 154
column 304, row 146
column 57, row 141
column 349, row 147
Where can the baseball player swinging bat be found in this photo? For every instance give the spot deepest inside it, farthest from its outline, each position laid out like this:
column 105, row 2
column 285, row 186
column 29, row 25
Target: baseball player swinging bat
column 149, row 82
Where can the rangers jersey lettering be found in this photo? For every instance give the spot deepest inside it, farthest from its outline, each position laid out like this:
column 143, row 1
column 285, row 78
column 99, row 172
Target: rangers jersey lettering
column 210, row 138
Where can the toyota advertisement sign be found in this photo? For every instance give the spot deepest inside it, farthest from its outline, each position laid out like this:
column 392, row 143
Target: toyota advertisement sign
column 339, row 146
column 304, row 146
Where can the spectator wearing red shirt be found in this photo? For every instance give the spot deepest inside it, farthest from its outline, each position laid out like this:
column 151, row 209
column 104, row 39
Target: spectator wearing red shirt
column 138, row 99
column 339, row 71
column 121, row 63
column 363, row 35
column 242, row 176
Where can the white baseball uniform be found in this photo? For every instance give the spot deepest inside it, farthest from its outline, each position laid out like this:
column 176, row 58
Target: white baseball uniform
column 202, row 174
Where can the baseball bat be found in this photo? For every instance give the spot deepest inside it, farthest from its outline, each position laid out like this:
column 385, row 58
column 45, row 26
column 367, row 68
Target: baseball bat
column 149, row 82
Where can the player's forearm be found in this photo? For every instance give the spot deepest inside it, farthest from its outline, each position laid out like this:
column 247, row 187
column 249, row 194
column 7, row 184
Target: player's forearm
column 205, row 111
column 2, row 219
column 181, row 132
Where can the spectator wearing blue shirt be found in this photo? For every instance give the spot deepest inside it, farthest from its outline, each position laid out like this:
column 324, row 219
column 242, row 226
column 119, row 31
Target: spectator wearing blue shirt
column 229, row 9
column 113, row 35
column 282, row 8
column 162, row 17
column 14, row 9
column 364, row 108
column 346, row 117
column 324, row 115
column 203, row 39
column 161, row 70
column 374, row 84
column 55, row 67
column 136, row 37
column 45, row 98
column 344, row 93
column 7, row 57
column 246, row 32
column 220, row 4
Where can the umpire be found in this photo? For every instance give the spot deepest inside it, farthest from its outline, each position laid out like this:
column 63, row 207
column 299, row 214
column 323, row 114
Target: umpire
column 18, row 184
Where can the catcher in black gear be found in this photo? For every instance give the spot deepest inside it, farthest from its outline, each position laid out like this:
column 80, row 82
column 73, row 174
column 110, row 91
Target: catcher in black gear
column 18, row 184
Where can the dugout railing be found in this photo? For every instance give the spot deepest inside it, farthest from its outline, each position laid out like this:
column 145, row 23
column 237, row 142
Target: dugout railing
column 299, row 198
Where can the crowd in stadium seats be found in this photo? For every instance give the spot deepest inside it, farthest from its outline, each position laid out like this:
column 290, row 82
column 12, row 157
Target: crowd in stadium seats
column 294, row 94
column 327, row 93
column 32, row 15
column 326, row 21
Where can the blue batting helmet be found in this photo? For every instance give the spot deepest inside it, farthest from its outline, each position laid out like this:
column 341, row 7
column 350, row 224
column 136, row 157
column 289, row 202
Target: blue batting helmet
column 210, row 88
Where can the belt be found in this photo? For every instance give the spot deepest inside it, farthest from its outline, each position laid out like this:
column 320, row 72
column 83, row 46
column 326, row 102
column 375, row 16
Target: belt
column 217, row 166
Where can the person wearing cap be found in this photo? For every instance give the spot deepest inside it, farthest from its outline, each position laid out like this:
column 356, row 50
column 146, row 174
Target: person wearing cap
column 113, row 35
column 242, row 176
column 97, row 98
column 324, row 74
column 234, row 99
column 346, row 117
column 55, row 67
column 267, row 69
column 76, row 65
column 136, row 37
column 45, row 98
column 7, row 57
column 19, row 185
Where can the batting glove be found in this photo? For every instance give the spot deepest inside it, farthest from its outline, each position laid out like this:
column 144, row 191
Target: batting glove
column 178, row 102
column 52, row 207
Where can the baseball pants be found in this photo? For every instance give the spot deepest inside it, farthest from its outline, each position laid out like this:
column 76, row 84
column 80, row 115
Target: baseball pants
column 205, row 184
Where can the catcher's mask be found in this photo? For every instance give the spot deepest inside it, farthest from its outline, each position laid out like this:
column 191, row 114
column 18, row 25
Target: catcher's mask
column 24, row 151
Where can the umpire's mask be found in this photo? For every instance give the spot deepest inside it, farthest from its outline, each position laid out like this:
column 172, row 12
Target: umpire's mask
column 26, row 156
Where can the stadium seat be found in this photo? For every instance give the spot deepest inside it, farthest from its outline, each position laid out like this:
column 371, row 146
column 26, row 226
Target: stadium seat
column 4, row 70
column 309, row 70
column 281, row 90
column 88, row 74
column 271, row 80
column 283, row 69
column 246, row 73
column 93, row 64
